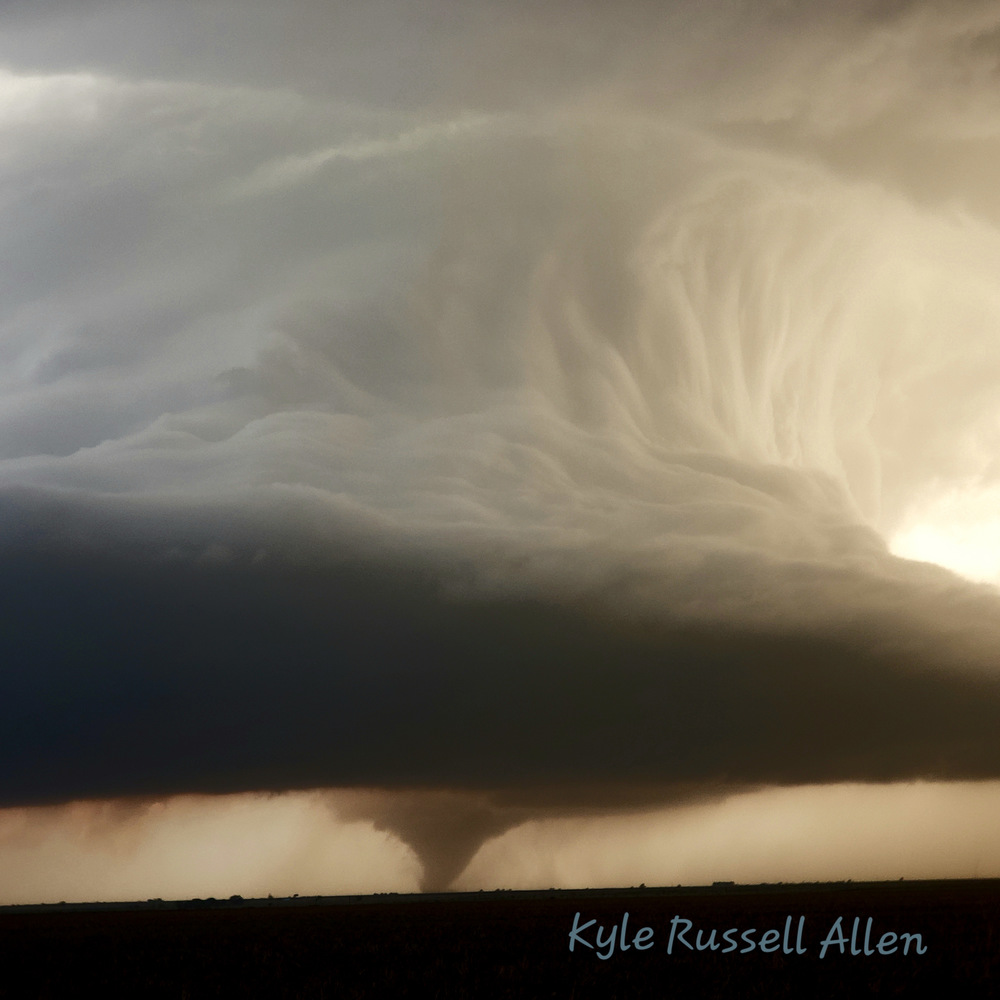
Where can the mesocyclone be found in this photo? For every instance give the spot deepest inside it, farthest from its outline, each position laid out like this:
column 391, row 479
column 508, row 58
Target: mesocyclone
column 499, row 443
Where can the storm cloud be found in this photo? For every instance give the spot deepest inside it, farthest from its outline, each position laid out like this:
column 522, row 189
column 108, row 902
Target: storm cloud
column 522, row 406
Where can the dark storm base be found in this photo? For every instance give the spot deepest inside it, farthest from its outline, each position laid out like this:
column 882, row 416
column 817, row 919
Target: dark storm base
column 819, row 940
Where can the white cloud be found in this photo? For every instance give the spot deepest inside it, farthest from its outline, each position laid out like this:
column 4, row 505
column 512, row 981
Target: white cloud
column 677, row 314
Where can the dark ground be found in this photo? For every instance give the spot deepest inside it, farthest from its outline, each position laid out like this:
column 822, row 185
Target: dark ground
column 512, row 944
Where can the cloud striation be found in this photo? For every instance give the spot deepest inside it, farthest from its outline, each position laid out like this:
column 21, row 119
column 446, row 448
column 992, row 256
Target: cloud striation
column 528, row 432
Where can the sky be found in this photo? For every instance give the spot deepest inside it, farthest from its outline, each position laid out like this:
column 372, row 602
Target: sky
column 497, row 444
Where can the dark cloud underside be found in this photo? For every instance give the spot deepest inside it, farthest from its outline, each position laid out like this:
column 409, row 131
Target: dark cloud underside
column 521, row 399
column 126, row 680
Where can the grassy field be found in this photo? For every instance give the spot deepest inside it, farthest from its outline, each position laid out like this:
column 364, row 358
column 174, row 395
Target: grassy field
column 891, row 939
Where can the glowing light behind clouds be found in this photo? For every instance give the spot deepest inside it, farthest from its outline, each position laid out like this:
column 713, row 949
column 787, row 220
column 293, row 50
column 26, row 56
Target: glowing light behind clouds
column 683, row 320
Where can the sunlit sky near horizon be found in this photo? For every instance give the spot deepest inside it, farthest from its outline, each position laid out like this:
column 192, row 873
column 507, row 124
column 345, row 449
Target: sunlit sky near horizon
column 492, row 443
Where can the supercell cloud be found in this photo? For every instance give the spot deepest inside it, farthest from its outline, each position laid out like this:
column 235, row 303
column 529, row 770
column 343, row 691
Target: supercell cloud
column 525, row 407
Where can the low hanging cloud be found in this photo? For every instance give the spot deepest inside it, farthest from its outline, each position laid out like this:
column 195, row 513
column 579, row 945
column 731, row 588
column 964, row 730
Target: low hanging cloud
column 532, row 439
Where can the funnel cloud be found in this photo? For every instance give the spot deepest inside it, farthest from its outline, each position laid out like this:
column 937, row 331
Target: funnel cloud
column 499, row 413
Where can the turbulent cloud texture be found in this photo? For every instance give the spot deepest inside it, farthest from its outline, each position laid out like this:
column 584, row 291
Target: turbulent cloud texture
column 518, row 400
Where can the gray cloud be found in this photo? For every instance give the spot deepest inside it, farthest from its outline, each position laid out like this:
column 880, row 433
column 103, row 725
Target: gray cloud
column 529, row 418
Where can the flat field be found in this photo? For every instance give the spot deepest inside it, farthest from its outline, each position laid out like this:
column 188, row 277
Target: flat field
column 837, row 940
